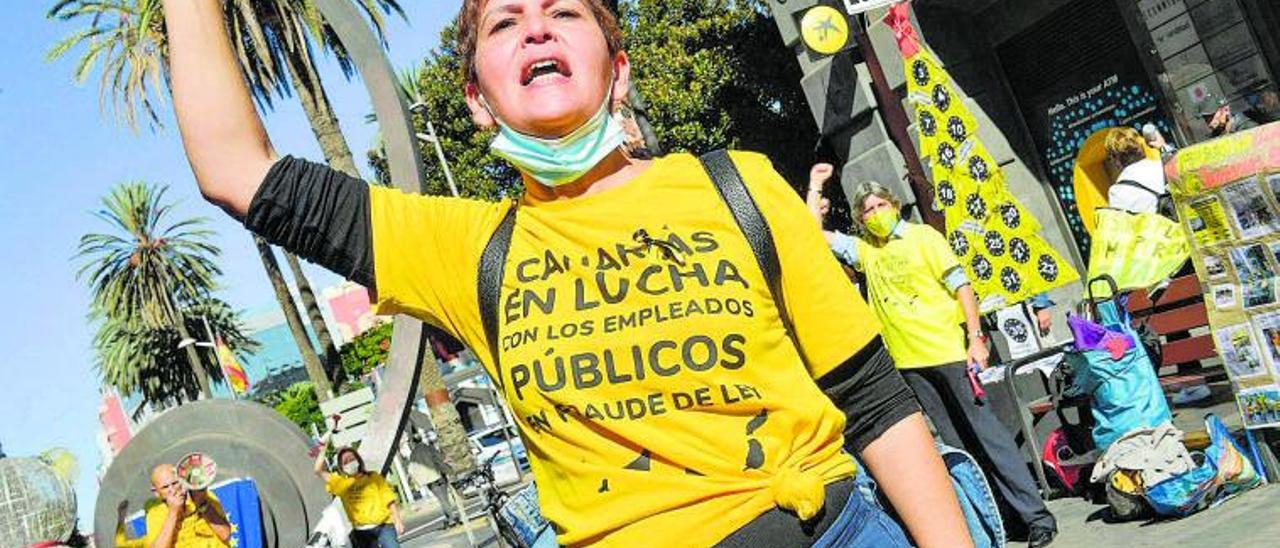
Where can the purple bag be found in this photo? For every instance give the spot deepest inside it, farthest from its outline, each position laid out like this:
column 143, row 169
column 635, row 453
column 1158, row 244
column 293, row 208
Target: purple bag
column 1092, row 336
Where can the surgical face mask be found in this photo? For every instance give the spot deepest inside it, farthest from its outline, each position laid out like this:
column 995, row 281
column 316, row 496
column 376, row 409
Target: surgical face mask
column 351, row 468
column 560, row 161
column 880, row 224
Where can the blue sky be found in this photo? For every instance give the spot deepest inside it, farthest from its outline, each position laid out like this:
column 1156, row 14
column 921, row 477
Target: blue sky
column 60, row 154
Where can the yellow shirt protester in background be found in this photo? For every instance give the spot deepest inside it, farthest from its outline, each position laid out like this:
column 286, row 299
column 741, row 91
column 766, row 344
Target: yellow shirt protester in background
column 366, row 497
column 908, row 287
column 193, row 532
column 925, row 303
column 653, row 382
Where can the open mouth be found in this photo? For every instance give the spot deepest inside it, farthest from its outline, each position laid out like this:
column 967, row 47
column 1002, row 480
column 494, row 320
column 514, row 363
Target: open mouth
column 542, row 69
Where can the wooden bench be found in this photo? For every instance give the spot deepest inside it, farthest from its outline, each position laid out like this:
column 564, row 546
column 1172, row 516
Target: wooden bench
column 1175, row 316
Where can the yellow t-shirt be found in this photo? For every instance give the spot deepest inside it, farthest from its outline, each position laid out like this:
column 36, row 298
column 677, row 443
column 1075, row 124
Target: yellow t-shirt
column 367, row 498
column 920, row 317
column 659, row 396
column 193, row 532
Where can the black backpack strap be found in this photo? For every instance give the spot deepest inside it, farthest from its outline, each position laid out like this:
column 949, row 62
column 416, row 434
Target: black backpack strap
column 1164, row 202
column 489, row 283
column 1135, row 184
column 728, row 182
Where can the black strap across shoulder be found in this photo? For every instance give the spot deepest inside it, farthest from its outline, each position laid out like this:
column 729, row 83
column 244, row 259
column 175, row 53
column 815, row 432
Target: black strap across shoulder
column 728, row 182
column 1135, row 184
column 1164, row 202
column 489, row 282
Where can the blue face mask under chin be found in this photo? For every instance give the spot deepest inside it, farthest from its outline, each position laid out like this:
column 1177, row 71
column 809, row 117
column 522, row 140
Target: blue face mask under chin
column 560, row 161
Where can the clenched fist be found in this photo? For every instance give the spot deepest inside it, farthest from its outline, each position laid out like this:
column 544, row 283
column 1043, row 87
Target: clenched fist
column 819, row 174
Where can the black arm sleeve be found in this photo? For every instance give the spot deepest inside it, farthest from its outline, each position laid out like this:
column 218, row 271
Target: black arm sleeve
column 871, row 393
column 318, row 213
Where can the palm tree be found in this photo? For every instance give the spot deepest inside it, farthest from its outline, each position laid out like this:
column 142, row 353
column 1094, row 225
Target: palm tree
column 127, row 38
column 316, row 372
column 145, row 269
column 273, row 38
column 269, row 34
column 134, row 358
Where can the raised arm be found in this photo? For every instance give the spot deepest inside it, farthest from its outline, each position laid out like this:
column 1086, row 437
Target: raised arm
column 224, row 139
column 818, row 176
column 321, row 468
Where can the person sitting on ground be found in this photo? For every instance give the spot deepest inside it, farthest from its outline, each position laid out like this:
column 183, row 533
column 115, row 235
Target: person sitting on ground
column 647, row 365
column 1140, row 185
column 922, row 297
column 178, row 518
column 370, row 502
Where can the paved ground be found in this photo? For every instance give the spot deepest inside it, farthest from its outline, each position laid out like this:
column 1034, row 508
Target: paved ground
column 1249, row 520
column 423, row 527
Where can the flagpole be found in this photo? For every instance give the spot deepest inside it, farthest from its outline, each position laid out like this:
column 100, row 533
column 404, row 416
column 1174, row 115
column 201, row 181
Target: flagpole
column 897, row 122
column 214, row 341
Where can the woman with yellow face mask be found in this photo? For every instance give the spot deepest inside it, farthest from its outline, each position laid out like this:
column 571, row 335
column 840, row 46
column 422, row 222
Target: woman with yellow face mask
column 925, row 304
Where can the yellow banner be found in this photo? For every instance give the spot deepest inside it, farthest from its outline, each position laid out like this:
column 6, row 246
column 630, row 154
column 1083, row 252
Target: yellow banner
column 1137, row 251
column 996, row 239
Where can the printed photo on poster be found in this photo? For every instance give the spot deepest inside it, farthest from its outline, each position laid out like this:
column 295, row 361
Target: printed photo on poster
column 1239, row 353
column 1208, row 221
column 1224, row 297
column 1259, row 406
column 1257, row 280
column 1273, row 184
column 1268, row 330
column 1258, row 293
column 1215, row 267
column 1251, row 212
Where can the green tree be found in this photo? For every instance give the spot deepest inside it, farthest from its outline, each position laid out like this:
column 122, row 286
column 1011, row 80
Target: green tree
column 142, row 273
column 127, row 38
column 135, row 358
column 437, row 84
column 298, row 403
column 275, row 40
column 366, row 351
column 716, row 74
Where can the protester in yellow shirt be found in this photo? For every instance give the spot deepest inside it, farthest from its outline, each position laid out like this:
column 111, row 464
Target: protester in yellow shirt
column 922, row 297
column 370, row 502
column 178, row 518
column 662, row 399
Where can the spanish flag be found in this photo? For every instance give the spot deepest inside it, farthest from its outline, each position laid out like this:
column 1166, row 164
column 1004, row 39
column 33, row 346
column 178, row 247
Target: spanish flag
column 236, row 376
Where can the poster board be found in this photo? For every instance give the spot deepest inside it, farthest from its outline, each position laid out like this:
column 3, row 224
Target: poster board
column 1227, row 193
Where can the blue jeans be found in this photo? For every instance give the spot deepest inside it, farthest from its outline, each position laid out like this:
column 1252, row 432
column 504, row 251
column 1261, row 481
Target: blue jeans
column 863, row 523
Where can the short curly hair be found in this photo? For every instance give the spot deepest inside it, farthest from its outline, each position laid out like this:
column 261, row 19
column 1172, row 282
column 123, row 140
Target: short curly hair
column 1125, row 146
column 469, row 31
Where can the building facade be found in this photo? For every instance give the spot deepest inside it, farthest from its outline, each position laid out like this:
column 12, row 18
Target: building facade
column 351, row 309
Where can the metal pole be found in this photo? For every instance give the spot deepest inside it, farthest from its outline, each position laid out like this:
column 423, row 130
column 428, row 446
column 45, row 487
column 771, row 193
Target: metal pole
column 448, row 175
column 213, row 345
column 896, row 121
column 506, row 433
column 397, row 462
column 462, row 509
